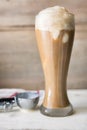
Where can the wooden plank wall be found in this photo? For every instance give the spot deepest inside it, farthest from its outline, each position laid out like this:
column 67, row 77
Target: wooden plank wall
column 20, row 64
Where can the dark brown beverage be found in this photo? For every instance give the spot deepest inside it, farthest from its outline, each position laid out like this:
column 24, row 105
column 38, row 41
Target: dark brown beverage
column 55, row 55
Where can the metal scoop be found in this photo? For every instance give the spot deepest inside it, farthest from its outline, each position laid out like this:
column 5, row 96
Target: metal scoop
column 24, row 100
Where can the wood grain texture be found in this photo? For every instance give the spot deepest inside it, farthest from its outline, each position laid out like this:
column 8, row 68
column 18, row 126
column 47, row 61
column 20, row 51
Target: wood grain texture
column 19, row 59
column 22, row 12
column 20, row 64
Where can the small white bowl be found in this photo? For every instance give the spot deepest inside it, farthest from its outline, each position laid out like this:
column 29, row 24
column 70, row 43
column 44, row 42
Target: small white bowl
column 27, row 100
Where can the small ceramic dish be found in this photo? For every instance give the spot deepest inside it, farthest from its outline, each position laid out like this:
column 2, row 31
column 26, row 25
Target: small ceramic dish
column 27, row 100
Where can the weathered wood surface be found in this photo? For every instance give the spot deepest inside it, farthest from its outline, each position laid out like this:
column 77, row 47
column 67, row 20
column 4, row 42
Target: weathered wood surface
column 22, row 12
column 19, row 58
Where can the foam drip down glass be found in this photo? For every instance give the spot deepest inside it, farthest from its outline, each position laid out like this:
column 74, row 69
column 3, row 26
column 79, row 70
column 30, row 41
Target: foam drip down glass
column 54, row 29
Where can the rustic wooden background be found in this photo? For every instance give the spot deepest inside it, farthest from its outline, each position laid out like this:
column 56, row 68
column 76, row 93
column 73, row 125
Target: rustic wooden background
column 20, row 64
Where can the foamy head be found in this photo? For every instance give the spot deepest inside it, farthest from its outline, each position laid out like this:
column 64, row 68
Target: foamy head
column 54, row 19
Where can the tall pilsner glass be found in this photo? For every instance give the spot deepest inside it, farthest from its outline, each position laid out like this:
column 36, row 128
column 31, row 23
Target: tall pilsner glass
column 54, row 29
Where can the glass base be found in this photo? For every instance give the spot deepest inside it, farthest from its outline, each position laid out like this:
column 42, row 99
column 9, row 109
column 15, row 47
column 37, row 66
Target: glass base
column 59, row 112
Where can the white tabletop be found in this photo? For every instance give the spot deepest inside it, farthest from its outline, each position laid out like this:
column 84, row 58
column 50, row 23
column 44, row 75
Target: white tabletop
column 34, row 120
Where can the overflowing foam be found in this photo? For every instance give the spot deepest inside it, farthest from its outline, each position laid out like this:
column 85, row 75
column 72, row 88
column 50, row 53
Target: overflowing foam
column 54, row 19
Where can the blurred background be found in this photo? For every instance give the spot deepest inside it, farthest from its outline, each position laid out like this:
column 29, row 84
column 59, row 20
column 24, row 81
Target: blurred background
column 20, row 65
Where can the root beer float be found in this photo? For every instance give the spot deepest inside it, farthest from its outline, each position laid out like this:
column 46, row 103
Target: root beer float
column 55, row 28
